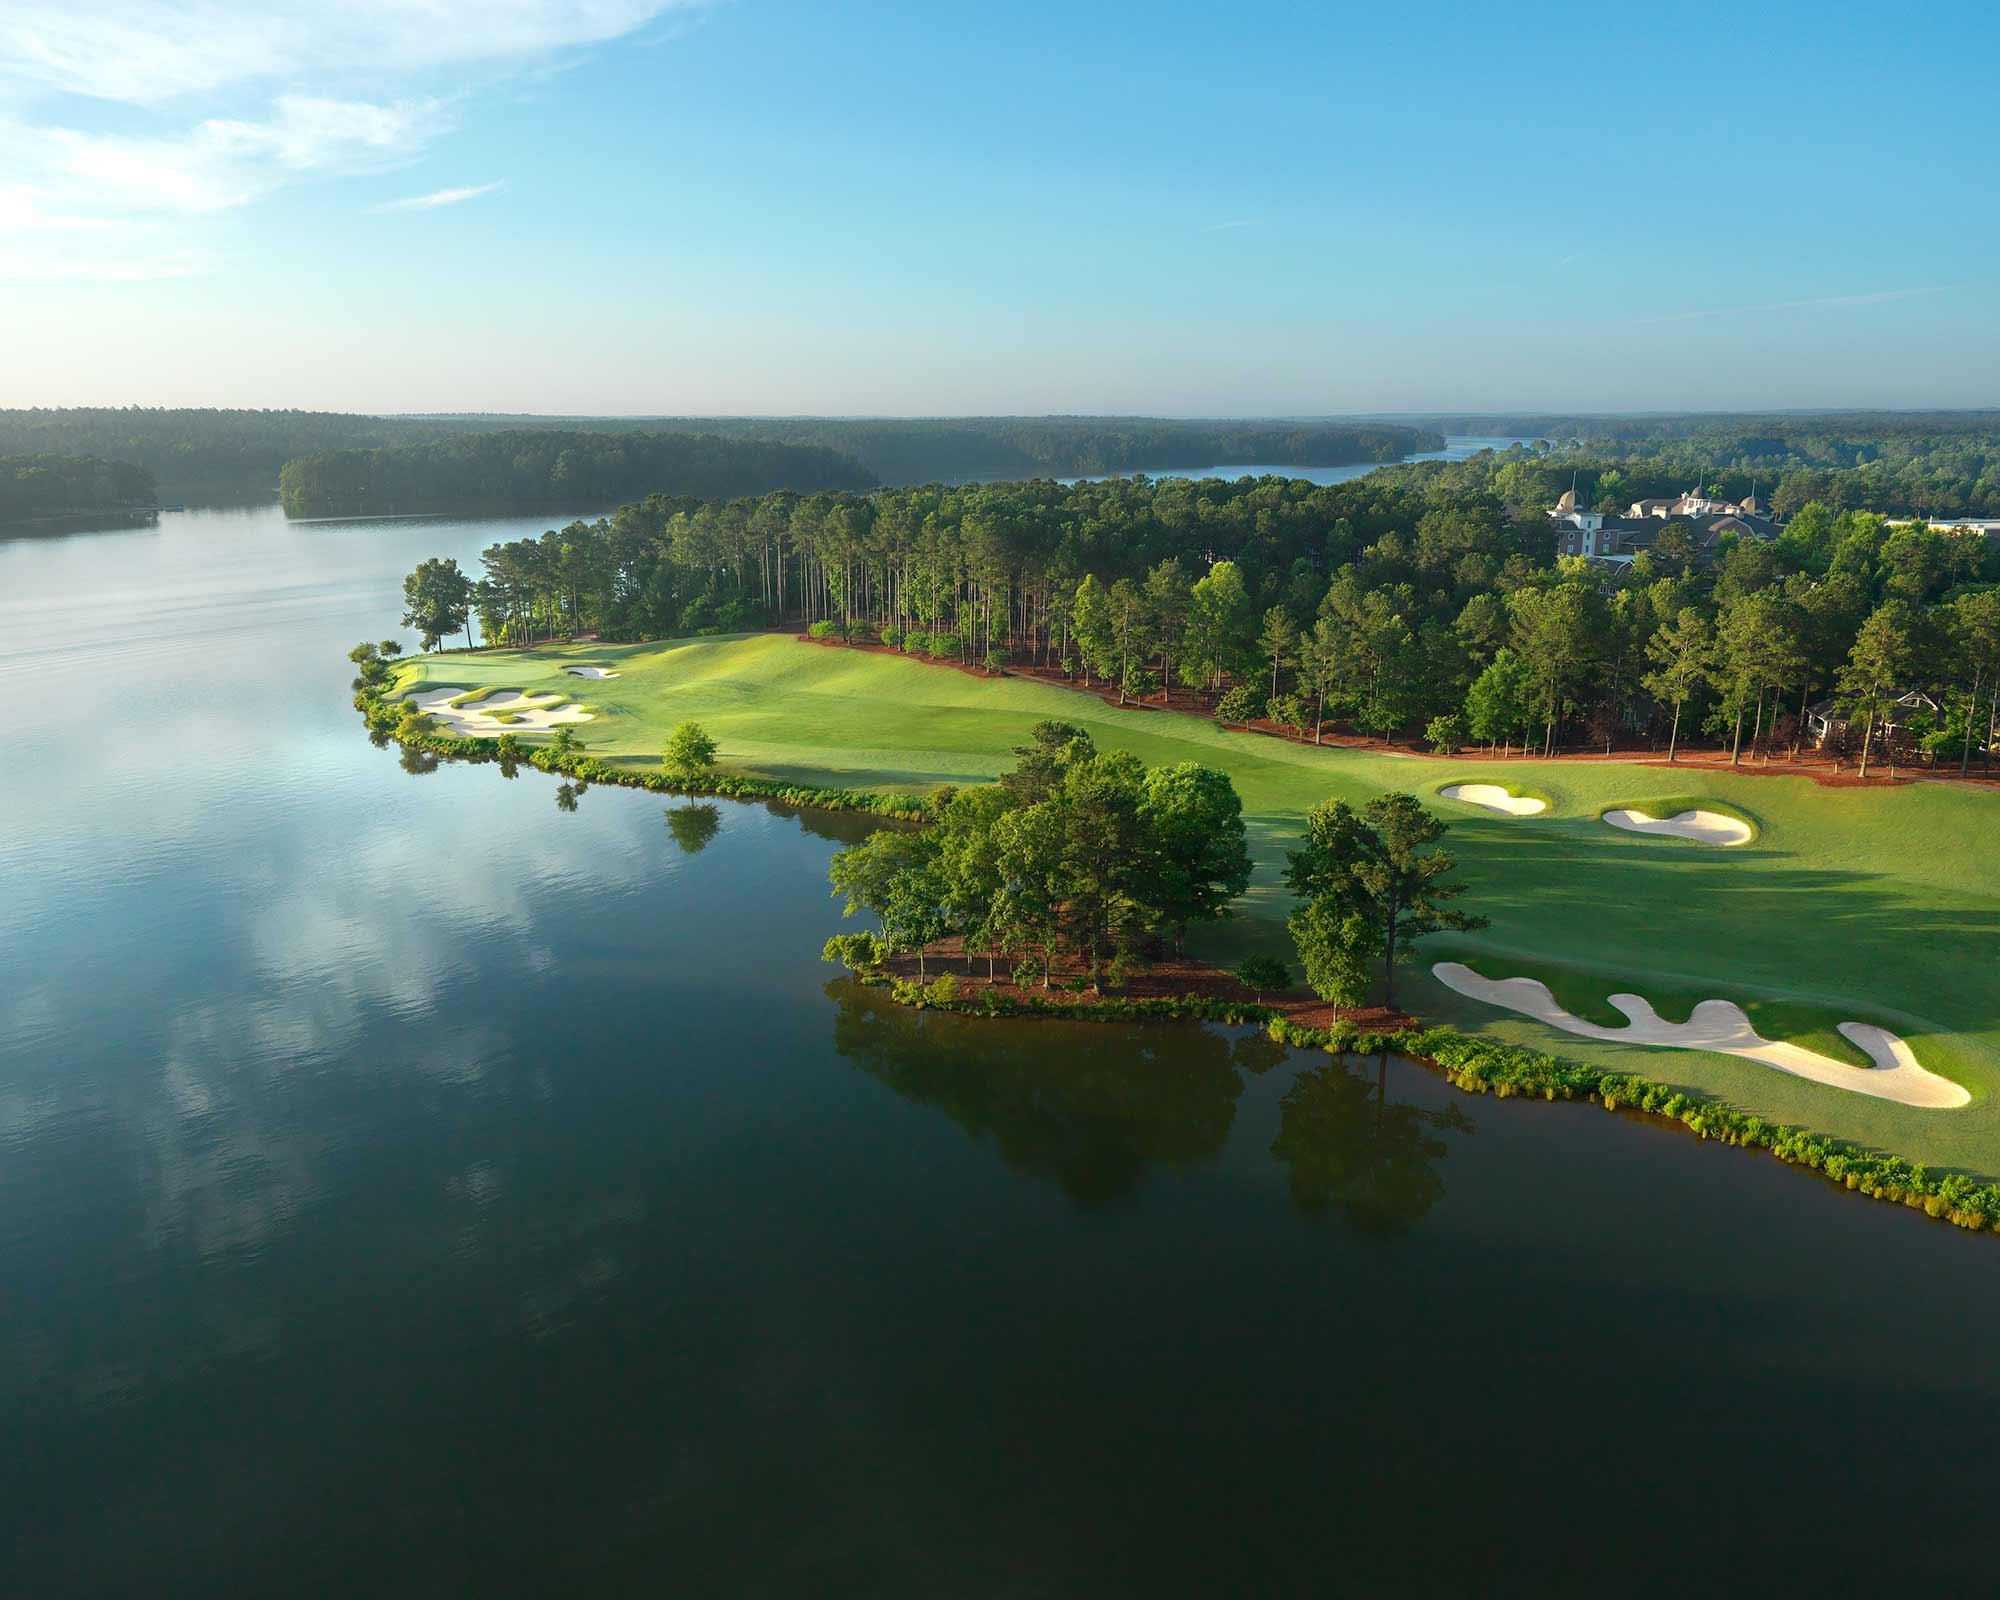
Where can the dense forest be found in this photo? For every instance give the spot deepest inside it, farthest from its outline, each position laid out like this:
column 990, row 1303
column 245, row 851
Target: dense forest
column 1942, row 465
column 50, row 485
column 527, row 469
column 1397, row 604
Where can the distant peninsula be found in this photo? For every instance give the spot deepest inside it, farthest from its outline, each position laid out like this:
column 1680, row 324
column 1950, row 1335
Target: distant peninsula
column 46, row 486
column 525, row 468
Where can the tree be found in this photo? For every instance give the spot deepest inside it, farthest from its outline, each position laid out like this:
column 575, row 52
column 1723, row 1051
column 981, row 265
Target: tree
column 1027, row 912
column 437, row 601
column 1975, row 633
column 1131, row 633
column 968, row 864
column 1090, row 616
column 1259, row 973
column 1445, row 733
column 1168, row 598
column 1383, row 864
column 1557, row 633
column 1336, row 948
column 894, row 875
column 690, row 754
column 1277, row 640
column 1496, row 706
column 1218, row 625
column 1872, row 677
column 1682, row 653
column 1319, row 666
column 1196, row 859
column 1287, row 711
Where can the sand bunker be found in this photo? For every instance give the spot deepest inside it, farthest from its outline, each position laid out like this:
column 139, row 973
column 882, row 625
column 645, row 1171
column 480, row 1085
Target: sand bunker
column 530, row 712
column 1494, row 798
column 1721, row 1026
column 1704, row 827
column 589, row 672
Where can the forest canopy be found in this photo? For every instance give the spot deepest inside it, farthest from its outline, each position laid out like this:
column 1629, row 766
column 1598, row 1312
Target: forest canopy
column 47, row 485
column 509, row 469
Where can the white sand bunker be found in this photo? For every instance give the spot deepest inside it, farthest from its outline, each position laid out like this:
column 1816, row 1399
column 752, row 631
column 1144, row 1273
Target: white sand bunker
column 1704, row 827
column 1721, row 1026
column 529, row 712
column 589, row 672
column 1494, row 798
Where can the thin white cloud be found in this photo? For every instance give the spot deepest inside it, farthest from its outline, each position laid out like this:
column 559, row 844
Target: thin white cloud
column 1224, row 227
column 441, row 197
column 227, row 162
column 148, row 52
column 1875, row 297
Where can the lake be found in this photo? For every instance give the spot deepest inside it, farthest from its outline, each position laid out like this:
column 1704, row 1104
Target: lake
column 410, row 1186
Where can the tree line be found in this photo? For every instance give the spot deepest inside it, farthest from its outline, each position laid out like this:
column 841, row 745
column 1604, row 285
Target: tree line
column 540, row 468
column 1387, row 606
column 1900, row 469
column 45, row 485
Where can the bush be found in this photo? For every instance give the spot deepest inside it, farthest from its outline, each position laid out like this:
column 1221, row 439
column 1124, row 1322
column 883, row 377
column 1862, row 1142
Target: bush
column 822, row 630
column 1239, row 705
column 1287, row 710
column 916, row 642
column 942, row 645
column 892, row 636
column 996, row 661
column 1446, row 734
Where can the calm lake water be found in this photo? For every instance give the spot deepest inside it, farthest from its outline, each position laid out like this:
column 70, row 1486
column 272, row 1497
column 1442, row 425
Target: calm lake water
column 408, row 1186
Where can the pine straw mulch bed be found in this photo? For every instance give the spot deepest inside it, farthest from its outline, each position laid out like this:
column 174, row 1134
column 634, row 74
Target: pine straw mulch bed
column 1168, row 977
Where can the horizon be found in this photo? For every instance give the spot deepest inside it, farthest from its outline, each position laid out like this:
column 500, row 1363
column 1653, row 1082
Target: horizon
column 759, row 209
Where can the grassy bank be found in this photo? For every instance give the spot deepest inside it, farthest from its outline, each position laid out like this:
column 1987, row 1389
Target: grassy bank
column 1879, row 904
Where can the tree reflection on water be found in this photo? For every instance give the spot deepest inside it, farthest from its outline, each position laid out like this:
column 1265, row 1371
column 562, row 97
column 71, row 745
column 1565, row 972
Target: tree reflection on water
column 1095, row 1106
column 1350, row 1150
column 1093, row 1110
column 693, row 826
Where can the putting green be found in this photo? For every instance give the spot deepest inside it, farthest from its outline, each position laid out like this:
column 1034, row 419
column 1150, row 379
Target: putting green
column 1873, row 905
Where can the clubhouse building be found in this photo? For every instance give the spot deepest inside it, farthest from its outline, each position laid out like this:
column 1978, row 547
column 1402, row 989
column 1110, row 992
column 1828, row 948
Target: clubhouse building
column 1705, row 519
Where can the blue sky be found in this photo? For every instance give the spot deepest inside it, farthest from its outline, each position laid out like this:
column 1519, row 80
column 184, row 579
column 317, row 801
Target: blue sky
column 777, row 207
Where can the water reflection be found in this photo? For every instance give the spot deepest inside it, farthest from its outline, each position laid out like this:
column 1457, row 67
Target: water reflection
column 1086, row 1105
column 1351, row 1151
column 693, row 826
column 567, row 795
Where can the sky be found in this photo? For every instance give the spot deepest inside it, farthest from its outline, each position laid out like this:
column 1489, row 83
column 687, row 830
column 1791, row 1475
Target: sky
column 778, row 207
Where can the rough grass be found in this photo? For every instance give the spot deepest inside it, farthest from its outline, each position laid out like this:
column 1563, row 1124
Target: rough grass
column 1875, row 905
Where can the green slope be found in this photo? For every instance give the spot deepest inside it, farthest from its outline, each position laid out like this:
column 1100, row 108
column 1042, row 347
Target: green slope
column 1870, row 905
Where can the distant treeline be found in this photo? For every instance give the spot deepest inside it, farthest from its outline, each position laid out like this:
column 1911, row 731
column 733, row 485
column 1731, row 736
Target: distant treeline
column 48, row 485
column 943, row 449
column 203, row 445
column 479, row 470
column 1901, row 472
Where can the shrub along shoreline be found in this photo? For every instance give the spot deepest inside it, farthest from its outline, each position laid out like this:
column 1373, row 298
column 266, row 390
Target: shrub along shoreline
column 1486, row 1066
column 1471, row 1064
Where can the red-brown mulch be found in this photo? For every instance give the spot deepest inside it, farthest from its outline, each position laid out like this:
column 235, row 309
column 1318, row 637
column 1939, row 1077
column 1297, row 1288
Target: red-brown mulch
column 1168, row 978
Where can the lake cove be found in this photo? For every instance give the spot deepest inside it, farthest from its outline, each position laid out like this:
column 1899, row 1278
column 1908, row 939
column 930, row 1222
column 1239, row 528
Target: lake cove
column 1894, row 926
column 414, row 1184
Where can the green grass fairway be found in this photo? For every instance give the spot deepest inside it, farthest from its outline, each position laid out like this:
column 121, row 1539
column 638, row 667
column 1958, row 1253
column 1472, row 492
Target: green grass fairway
column 1865, row 905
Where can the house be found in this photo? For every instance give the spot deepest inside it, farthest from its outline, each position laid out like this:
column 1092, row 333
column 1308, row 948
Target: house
column 1825, row 723
column 1621, row 539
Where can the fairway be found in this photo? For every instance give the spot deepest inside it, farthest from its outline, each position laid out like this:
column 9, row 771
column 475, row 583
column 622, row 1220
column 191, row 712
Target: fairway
column 1847, row 905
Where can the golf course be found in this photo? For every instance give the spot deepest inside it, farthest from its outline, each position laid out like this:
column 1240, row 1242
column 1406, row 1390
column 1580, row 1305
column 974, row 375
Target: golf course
column 1808, row 907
